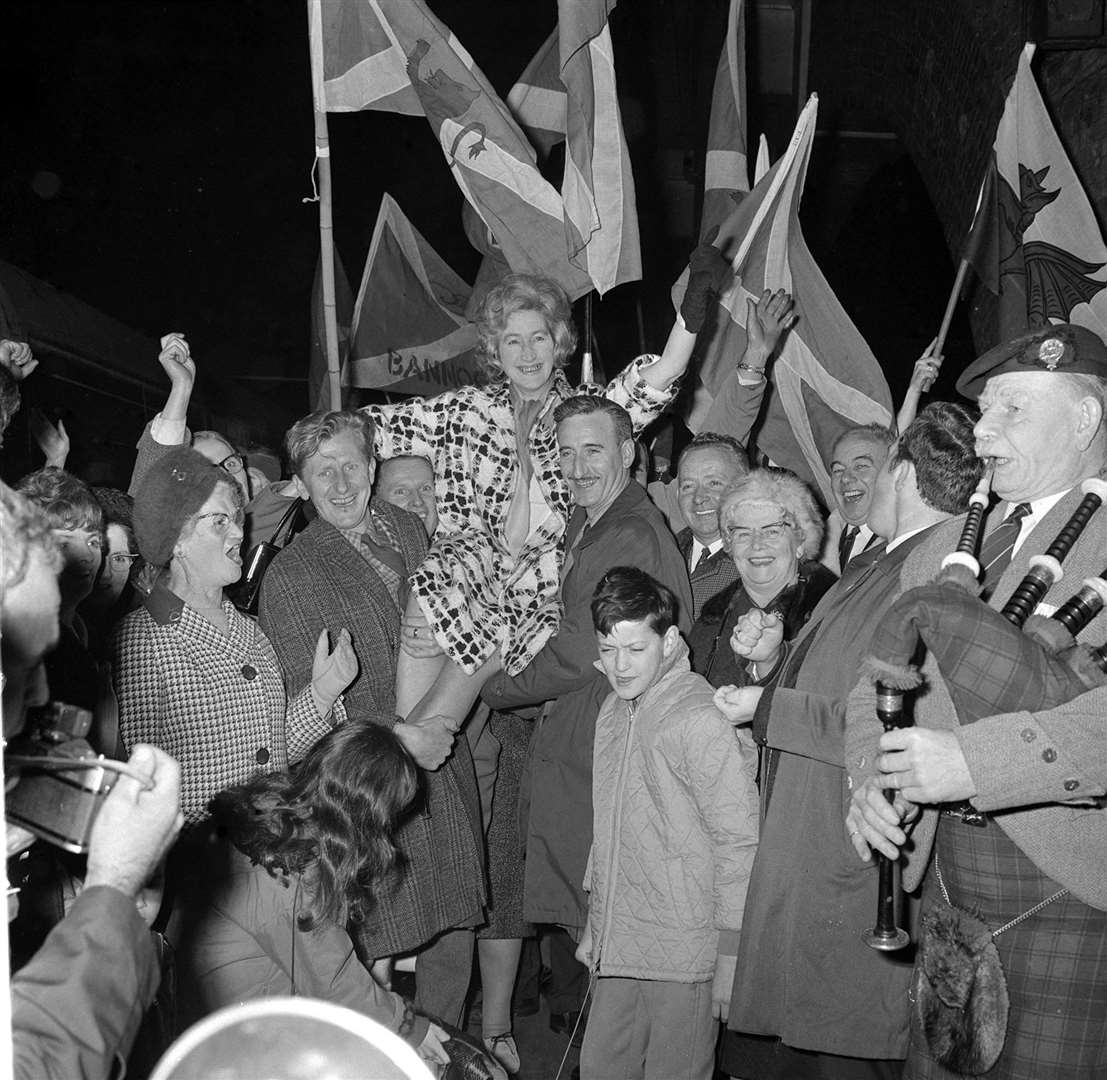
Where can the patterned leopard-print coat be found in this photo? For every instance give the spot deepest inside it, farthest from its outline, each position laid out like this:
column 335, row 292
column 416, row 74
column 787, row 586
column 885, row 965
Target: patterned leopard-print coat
column 476, row 595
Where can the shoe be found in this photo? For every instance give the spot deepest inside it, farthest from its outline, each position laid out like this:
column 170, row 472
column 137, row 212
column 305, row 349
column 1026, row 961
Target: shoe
column 564, row 1023
column 503, row 1049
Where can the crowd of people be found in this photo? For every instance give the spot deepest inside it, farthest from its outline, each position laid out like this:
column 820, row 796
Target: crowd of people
column 494, row 687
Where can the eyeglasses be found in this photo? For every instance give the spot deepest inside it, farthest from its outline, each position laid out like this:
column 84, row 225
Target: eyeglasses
column 120, row 560
column 221, row 522
column 743, row 536
column 79, row 537
column 232, row 463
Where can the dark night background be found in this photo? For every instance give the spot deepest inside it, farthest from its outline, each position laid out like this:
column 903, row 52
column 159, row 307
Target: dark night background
column 156, row 157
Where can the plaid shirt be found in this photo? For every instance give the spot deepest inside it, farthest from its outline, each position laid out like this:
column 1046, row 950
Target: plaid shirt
column 216, row 703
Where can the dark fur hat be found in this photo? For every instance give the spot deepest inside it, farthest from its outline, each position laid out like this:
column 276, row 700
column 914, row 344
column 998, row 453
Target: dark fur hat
column 174, row 489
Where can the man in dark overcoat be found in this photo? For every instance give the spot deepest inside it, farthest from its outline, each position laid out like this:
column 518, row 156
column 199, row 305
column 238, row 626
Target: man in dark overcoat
column 613, row 524
column 809, row 998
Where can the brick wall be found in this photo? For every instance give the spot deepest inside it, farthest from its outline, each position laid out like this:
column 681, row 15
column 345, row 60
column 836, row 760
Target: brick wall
column 936, row 73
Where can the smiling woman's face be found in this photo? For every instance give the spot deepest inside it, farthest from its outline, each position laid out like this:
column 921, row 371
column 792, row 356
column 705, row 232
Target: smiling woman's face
column 764, row 544
column 526, row 353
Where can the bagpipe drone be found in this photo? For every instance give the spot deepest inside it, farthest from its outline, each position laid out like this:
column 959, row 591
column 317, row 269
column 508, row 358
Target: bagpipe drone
column 992, row 661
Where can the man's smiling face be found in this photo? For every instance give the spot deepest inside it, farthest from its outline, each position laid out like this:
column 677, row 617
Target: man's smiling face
column 853, row 471
column 704, row 476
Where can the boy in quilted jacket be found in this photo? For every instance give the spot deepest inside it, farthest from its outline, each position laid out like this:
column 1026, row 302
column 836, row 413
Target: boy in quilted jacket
column 675, row 831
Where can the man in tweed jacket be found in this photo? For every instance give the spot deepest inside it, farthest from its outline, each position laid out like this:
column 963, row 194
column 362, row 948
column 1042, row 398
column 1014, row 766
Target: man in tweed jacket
column 349, row 569
column 1039, row 778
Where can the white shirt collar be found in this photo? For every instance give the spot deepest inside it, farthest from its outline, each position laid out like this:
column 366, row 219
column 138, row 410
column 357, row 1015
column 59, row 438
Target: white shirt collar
column 893, row 544
column 700, row 551
column 1038, row 510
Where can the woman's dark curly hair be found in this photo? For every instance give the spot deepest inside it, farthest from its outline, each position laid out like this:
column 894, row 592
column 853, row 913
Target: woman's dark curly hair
column 330, row 818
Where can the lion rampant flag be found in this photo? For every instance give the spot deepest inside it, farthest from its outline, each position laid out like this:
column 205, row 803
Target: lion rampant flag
column 486, row 151
column 824, row 378
column 1034, row 240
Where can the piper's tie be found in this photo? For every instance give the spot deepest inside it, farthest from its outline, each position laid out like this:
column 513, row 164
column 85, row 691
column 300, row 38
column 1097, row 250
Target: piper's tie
column 995, row 552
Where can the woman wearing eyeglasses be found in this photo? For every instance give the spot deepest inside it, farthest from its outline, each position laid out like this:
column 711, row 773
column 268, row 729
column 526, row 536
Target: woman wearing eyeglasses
column 193, row 675
column 772, row 528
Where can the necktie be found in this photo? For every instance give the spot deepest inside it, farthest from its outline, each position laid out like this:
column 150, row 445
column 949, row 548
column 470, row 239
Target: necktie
column 845, row 545
column 387, row 562
column 995, row 552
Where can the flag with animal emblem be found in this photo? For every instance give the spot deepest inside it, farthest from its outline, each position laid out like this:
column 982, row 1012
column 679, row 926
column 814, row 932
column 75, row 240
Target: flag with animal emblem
column 824, row 377
column 1034, row 240
column 726, row 172
column 568, row 92
column 318, row 386
column 409, row 333
column 489, row 156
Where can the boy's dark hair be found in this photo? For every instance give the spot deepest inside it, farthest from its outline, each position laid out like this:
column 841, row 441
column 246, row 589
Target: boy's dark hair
column 939, row 443
column 626, row 594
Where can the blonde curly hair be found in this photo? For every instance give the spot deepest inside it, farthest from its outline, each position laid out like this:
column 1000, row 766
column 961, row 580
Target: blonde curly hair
column 524, row 292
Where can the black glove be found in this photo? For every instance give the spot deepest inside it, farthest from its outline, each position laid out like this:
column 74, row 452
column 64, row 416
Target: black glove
column 708, row 275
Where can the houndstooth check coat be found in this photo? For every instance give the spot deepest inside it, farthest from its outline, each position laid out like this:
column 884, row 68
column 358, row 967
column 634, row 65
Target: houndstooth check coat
column 477, row 596
column 217, row 704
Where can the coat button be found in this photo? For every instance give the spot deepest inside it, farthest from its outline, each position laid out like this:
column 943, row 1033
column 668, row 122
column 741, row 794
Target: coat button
column 1049, row 755
column 1071, row 785
column 249, row 673
column 262, row 756
column 1028, row 734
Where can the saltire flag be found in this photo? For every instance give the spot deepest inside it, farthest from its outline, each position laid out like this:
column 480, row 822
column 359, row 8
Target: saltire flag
column 318, row 384
column 1034, row 240
column 824, row 378
column 409, row 334
column 568, row 92
column 726, row 171
column 489, row 156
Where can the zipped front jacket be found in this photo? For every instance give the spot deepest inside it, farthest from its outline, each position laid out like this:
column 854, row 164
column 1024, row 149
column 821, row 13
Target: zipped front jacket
column 675, row 816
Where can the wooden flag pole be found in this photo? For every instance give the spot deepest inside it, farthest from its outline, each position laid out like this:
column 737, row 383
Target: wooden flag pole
column 954, row 296
column 326, row 229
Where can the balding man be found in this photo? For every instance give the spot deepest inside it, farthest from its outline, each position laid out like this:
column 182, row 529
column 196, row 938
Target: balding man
column 1039, row 779
column 855, row 462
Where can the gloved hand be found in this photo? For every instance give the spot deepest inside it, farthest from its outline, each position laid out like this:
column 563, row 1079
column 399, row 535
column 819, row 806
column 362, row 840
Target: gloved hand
column 709, row 273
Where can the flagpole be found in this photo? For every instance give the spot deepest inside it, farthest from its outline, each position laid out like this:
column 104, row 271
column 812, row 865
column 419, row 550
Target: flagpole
column 954, row 296
column 326, row 229
column 586, row 356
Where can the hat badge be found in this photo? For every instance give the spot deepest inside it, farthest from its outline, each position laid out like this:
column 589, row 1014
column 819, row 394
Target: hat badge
column 1050, row 353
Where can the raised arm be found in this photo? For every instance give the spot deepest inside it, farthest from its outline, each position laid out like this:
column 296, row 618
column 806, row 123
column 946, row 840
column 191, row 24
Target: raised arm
column 922, row 379
column 170, row 427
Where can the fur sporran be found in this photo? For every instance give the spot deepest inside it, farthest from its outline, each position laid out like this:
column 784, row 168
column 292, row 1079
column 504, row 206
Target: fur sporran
column 960, row 991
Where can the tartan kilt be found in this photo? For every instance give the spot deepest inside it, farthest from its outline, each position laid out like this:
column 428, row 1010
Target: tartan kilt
column 1055, row 961
column 441, row 884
